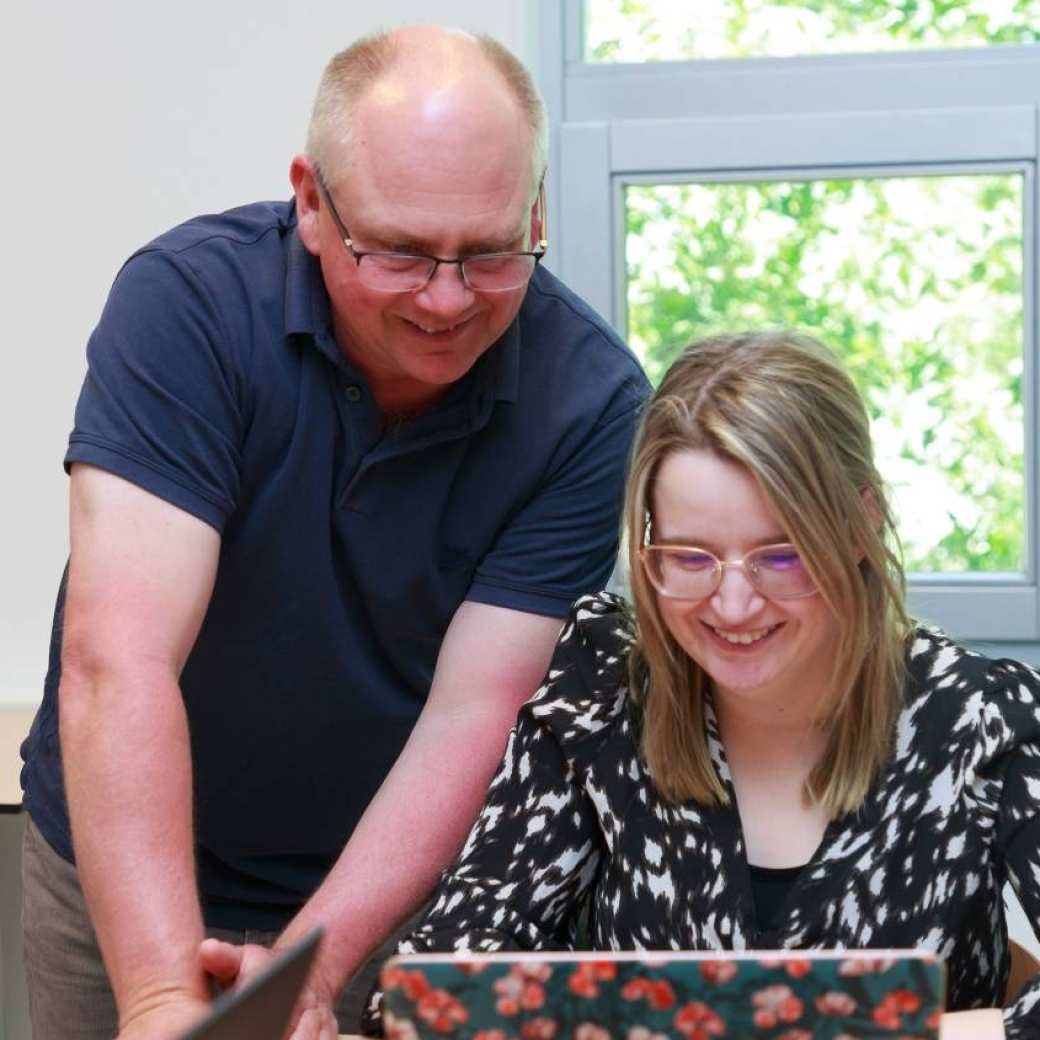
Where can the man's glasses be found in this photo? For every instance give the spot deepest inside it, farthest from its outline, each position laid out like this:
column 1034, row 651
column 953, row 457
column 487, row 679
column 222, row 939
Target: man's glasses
column 409, row 272
column 687, row 572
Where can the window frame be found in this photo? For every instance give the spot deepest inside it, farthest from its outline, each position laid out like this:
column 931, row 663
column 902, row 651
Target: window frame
column 895, row 113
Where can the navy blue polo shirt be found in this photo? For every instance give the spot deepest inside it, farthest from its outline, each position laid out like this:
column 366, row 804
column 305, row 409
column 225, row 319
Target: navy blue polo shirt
column 214, row 381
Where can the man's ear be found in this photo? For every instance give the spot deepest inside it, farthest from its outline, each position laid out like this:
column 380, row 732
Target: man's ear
column 304, row 180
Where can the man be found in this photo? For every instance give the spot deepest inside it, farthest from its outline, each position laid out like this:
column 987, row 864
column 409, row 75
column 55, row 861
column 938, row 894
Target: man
column 337, row 471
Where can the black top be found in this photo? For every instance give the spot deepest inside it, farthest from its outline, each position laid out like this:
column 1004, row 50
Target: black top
column 769, row 889
column 573, row 815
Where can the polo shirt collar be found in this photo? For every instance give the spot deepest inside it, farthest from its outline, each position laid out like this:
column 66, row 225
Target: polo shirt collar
column 306, row 302
column 507, row 371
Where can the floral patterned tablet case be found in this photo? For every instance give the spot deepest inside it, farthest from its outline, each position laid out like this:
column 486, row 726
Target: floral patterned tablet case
column 664, row 996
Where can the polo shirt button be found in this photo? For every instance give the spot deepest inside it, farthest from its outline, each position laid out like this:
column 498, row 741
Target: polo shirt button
column 352, row 392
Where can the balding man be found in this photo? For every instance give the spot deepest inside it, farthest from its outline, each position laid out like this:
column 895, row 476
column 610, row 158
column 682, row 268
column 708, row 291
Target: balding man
column 338, row 468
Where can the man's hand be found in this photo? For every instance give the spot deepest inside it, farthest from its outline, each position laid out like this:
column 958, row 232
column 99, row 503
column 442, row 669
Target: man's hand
column 164, row 1019
column 233, row 966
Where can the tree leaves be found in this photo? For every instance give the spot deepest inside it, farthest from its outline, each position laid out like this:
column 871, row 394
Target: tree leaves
column 916, row 281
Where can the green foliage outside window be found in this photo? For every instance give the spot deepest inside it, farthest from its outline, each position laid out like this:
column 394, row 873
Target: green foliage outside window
column 916, row 281
column 672, row 30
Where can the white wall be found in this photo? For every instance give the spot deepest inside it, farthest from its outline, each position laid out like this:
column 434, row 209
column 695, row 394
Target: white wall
column 120, row 118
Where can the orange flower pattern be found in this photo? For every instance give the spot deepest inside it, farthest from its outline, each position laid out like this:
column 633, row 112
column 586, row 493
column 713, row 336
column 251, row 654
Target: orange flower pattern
column 697, row 1021
column 776, row 1004
column 854, row 996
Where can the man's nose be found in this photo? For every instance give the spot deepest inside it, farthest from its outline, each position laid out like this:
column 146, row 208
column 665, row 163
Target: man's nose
column 446, row 293
column 736, row 599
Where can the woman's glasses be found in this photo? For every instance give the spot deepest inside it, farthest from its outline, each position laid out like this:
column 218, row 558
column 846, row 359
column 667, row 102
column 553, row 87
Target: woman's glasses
column 688, row 572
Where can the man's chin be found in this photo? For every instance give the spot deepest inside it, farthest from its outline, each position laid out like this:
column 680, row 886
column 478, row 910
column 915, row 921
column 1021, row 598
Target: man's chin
column 443, row 368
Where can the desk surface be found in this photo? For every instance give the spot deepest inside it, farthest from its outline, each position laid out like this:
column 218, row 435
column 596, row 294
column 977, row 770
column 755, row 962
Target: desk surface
column 14, row 725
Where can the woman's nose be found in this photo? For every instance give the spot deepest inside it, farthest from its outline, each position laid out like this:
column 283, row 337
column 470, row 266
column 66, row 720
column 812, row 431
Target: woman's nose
column 736, row 599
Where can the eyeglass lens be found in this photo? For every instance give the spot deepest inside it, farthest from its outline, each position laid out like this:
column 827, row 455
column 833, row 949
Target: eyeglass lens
column 687, row 572
column 399, row 272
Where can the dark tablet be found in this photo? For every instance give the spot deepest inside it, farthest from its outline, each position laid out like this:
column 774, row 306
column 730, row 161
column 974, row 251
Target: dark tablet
column 260, row 1010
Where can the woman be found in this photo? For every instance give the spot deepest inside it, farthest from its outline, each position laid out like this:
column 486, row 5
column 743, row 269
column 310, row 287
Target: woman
column 766, row 753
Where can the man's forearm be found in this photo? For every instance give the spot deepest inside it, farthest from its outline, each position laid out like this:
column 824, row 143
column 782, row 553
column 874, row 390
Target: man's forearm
column 127, row 764
column 491, row 661
column 411, row 830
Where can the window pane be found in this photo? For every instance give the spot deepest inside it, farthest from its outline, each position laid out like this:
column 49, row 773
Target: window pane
column 677, row 30
column 916, row 281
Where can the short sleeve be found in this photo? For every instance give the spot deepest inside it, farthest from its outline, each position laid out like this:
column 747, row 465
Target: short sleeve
column 563, row 542
column 161, row 402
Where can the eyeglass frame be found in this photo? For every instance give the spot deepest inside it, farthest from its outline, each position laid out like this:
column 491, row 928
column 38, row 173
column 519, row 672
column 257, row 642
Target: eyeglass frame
column 720, row 570
column 359, row 255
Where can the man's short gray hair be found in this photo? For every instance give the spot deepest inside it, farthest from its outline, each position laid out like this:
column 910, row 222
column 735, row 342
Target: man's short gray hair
column 352, row 71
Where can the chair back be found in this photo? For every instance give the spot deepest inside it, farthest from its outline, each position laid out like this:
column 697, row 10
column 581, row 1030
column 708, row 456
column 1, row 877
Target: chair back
column 1023, row 967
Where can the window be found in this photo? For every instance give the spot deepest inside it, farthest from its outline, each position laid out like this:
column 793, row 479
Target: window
column 886, row 202
column 915, row 280
column 676, row 30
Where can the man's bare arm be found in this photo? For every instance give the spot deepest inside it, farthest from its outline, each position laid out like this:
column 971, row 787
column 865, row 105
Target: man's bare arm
column 491, row 661
column 141, row 572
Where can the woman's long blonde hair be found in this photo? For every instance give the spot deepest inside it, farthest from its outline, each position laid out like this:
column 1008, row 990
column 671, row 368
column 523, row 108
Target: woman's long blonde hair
column 780, row 404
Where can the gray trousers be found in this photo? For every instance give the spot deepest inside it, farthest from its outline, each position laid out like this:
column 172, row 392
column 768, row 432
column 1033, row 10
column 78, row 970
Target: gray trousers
column 69, row 994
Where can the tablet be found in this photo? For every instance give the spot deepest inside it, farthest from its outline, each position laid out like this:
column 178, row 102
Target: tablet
column 261, row 1009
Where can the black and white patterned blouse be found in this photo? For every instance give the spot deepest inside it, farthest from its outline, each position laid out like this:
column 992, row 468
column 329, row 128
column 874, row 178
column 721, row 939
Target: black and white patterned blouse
column 573, row 820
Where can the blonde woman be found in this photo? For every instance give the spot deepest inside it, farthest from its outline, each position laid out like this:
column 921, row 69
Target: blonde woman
column 765, row 751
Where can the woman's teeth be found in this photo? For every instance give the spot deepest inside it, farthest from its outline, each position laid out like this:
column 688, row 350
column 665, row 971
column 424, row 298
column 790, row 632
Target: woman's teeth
column 743, row 638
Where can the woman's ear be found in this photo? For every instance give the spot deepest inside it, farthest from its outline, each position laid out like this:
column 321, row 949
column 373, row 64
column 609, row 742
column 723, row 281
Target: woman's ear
column 873, row 507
